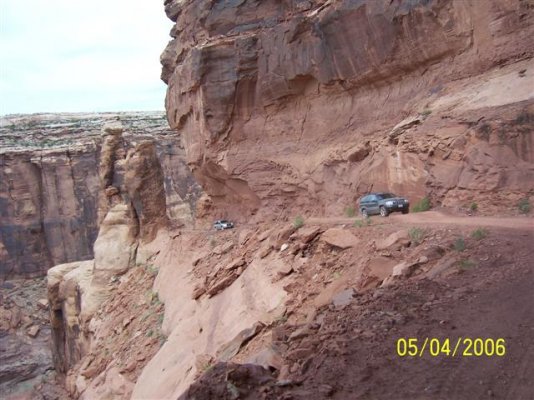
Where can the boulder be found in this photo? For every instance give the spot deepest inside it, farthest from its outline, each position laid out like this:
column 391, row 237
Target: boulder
column 339, row 238
column 42, row 304
column 394, row 241
column 33, row 331
column 307, row 233
column 268, row 358
column 343, row 298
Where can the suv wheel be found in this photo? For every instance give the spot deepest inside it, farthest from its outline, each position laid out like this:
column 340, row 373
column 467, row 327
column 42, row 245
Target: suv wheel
column 364, row 213
column 383, row 211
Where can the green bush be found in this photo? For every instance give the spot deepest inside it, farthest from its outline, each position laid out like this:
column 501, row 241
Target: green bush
column 298, row 222
column 479, row 234
column 473, row 207
column 350, row 211
column 524, row 206
column 422, row 205
column 426, row 112
column 466, row 264
column 417, row 235
column 459, row 244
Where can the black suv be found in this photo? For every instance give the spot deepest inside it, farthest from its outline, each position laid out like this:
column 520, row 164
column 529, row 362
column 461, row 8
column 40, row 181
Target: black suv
column 383, row 204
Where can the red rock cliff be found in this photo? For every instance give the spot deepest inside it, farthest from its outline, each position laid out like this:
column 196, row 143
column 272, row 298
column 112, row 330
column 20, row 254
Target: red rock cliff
column 50, row 197
column 308, row 104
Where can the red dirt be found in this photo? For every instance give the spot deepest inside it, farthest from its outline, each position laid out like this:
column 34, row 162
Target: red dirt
column 350, row 352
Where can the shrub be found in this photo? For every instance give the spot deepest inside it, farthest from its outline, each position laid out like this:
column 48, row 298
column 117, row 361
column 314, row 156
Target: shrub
column 524, row 206
column 213, row 242
column 151, row 269
column 466, row 264
column 426, row 112
column 350, row 211
column 360, row 223
column 153, row 298
column 524, row 118
column 416, row 235
column 479, row 234
column 422, row 205
column 473, row 207
column 459, row 244
column 298, row 222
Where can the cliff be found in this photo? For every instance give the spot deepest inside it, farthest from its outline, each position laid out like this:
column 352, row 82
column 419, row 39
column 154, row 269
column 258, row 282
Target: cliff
column 299, row 107
column 305, row 105
column 49, row 185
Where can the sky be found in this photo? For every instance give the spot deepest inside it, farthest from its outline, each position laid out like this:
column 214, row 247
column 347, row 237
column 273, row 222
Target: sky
column 81, row 56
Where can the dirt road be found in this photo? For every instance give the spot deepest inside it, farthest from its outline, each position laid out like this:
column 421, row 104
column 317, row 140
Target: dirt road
column 435, row 218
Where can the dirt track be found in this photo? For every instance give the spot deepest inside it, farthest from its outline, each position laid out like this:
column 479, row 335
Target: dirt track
column 437, row 218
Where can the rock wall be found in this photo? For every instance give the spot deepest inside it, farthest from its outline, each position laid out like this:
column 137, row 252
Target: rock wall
column 48, row 208
column 50, row 185
column 305, row 105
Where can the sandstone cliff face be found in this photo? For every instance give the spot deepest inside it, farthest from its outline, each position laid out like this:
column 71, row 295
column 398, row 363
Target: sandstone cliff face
column 308, row 104
column 48, row 208
column 50, row 199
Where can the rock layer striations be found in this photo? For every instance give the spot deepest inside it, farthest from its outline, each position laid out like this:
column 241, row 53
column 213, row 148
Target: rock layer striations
column 309, row 104
column 51, row 167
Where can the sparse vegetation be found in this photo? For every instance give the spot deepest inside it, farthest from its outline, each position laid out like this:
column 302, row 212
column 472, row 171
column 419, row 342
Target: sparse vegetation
column 162, row 339
column 360, row 223
column 524, row 206
column 524, row 118
column 153, row 298
column 350, row 211
column 206, row 366
column 422, row 205
column 298, row 222
column 466, row 264
column 473, row 207
column 213, row 242
column 426, row 112
column 151, row 269
column 484, row 131
column 416, row 235
column 479, row 234
column 459, row 244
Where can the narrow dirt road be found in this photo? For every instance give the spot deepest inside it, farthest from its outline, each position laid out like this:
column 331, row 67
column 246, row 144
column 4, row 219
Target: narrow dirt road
column 435, row 218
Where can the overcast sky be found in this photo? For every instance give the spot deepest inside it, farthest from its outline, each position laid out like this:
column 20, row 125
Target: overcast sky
column 72, row 55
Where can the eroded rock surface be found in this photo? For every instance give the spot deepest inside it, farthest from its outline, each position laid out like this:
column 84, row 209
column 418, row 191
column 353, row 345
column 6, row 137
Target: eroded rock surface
column 305, row 105
column 50, row 199
column 132, row 201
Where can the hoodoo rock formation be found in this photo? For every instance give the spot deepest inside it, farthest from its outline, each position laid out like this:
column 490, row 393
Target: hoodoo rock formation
column 51, row 167
column 308, row 104
column 134, row 210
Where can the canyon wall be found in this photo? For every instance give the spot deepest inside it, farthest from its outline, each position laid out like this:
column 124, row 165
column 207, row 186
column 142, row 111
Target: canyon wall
column 48, row 208
column 49, row 185
column 302, row 106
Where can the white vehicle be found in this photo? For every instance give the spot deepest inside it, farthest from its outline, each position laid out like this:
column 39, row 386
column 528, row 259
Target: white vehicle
column 222, row 224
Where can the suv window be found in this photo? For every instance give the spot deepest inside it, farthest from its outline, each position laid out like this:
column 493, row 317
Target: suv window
column 387, row 196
